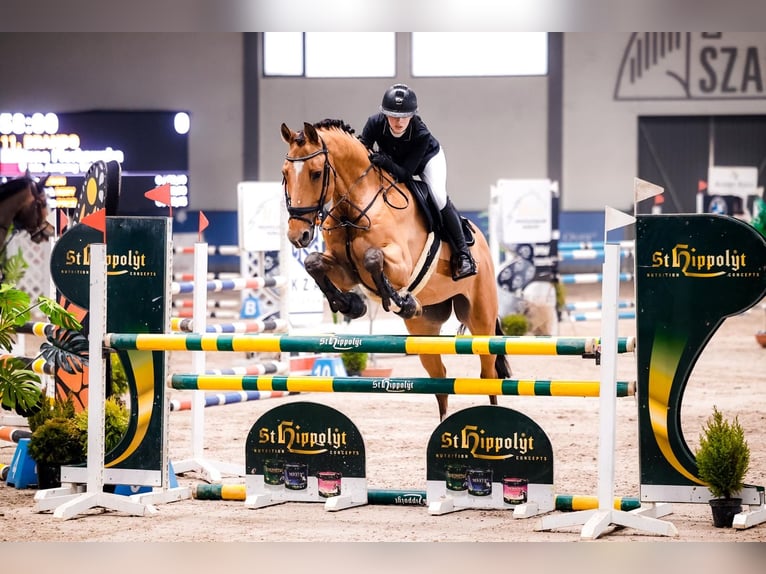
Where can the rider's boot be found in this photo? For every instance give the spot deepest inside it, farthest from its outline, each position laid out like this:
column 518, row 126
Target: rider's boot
column 463, row 264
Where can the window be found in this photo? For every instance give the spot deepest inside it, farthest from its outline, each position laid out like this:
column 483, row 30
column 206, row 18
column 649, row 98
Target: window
column 329, row 54
column 479, row 54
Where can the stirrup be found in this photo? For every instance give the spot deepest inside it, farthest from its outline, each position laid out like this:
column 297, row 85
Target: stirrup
column 463, row 266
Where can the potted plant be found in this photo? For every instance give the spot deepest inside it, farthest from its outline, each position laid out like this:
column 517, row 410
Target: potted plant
column 56, row 440
column 354, row 362
column 514, row 325
column 60, row 436
column 723, row 458
column 20, row 388
column 116, row 419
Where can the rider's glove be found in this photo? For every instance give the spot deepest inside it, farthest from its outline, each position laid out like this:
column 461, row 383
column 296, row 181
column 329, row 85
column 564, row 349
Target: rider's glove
column 385, row 162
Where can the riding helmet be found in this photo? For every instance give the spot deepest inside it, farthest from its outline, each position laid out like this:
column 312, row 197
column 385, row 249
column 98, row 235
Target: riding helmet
column 399, row 101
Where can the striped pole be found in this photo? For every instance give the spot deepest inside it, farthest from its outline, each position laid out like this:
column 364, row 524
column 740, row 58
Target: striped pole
column 241, row 284
column 413, row 497
column 227, row 314
column 402, row 344
column 38, row 365
column 596, row 316
column 587, row 254
column 400, row 385
column 228, row 398
column 217, row 304
column 588, row 278
column 211, row 249
column 14, row 434
column 42, row 329
column 267, row 368
column 250, row 326
column 595, row 305
column 569, row 502
column 573, row 245
column 221, row 275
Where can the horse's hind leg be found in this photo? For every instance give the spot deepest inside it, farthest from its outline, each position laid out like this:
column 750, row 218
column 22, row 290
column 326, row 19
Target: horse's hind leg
column 480, row 318
column 320, row 267
column 428, row 324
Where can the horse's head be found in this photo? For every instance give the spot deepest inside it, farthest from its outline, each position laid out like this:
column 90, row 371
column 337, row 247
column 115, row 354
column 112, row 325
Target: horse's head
column 33, row 217
column 306, row 180
column 24, row 205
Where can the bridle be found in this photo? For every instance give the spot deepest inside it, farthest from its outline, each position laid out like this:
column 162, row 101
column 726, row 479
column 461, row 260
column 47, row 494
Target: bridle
column 320, row 210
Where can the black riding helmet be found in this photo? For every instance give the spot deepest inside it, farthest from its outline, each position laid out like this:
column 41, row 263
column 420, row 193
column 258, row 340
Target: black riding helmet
column 399, row 101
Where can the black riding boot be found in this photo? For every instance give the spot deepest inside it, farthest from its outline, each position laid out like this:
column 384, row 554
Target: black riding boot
column 463, row 264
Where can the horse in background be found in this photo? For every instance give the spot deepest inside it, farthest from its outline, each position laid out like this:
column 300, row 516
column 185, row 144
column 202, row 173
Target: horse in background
column 23, row 207
column 378, row 238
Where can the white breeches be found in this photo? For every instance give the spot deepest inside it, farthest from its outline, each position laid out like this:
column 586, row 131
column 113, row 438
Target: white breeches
column 435, row 175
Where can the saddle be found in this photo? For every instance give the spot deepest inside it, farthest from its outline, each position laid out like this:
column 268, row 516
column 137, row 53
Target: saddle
column 422, row 195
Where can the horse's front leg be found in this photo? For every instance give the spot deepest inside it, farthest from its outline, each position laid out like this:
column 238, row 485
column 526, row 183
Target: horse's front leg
column 329, row 273
column 408, row 307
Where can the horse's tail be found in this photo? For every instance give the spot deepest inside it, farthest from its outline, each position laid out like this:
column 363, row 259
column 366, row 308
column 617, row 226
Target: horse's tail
column 502, row 366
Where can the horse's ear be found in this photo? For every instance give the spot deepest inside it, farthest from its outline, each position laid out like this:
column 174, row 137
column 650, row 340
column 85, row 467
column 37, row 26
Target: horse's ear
column 311, row 133
column 287, row 133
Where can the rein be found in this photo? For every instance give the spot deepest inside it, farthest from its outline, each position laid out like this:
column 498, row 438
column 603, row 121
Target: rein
column 345, row 221
column 319, row 210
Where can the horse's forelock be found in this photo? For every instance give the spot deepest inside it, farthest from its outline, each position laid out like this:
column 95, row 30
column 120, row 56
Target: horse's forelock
column 16, row 185
column 300, row 138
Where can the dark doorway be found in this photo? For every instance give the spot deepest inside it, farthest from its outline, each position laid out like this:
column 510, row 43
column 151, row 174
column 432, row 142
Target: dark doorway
column 675, row 152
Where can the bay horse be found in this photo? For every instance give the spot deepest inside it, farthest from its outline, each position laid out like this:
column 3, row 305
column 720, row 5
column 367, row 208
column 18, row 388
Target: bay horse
column 377, row 237
column 23, row 205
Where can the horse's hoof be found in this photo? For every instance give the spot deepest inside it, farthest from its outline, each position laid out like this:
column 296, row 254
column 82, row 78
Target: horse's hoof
column 356, row 308
column 410, row 310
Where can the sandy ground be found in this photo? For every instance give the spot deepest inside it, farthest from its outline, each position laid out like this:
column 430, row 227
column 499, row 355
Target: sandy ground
column 396, row 430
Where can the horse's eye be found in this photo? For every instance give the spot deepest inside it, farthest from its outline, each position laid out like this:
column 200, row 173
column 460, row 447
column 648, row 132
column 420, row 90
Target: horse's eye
column 315, row 175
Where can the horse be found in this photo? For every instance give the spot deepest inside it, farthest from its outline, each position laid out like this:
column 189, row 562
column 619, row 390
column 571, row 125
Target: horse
column 377, row 238
column 24, row 207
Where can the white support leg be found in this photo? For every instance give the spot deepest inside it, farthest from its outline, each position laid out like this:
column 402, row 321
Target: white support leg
column 597, row 522
column 94, row 495
column 209, row 471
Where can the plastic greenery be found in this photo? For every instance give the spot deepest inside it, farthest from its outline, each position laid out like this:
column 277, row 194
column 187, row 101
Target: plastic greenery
column 20, row 387
column 723, row 457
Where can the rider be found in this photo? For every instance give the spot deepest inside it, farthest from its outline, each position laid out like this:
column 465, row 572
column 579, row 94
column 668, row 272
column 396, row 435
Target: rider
column 406, row 148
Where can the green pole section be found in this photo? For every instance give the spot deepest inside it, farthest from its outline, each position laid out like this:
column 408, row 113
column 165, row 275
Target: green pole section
column 569, row 502
column 406, row 385
column 414, row 497
column 397, row 497
column 400, row 344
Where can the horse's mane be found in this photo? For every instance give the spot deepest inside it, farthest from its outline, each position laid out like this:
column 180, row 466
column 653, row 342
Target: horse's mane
column 331, row 123
column 14, row 186
column 345, row 129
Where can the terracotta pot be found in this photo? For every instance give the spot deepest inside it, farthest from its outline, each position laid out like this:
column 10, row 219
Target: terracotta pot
column 724, row 510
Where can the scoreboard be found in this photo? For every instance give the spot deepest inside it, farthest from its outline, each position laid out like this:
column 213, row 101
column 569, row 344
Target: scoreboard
column 152, row 148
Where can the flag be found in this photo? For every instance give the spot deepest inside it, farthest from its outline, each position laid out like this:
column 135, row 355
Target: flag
column 701, row 186
column 644, row 190
column 63, row 220
column 203, row 223
column 96, row 220
column 615, row 219
column 160, row 194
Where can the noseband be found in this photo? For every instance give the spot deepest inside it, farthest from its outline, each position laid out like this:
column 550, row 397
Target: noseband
column 299, row 213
